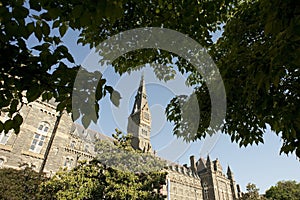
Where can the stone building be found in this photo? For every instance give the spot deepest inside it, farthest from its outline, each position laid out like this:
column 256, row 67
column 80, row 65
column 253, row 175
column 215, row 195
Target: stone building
column 202, row 180
column 71, row 142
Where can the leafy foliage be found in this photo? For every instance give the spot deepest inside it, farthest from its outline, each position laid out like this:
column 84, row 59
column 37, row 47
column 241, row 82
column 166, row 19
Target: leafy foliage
column 95, row 181
column 29, row 72
column 257, row 56
column 20, row 184
column 258, row 62
column 123, row 176
column 251, row 56
column 123, row 157
column 284, row 190
column 252, row 193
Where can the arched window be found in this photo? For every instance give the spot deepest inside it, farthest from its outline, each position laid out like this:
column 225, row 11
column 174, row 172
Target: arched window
column 43, row 127
column 39, row 137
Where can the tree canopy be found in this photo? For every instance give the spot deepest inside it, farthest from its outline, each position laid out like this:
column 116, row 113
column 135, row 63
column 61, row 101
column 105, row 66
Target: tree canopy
column 123, row 157
column 95, row 181
column 20, row 184
column 252, row 193
column 114, row 174
column 257, row 56
column 284, row 190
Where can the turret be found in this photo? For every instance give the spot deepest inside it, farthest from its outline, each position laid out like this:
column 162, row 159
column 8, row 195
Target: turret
column 234, row 187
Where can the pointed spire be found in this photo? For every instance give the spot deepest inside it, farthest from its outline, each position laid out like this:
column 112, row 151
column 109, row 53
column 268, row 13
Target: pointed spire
column 229, row 173
column 140, row 98
column 228, row 170
column 142, row 87
column 208, row 161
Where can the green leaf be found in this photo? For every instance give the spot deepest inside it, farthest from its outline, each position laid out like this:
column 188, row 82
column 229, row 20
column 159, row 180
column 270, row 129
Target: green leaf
column 1, row 126
column 47, row 96
column 86, row 121
column 62, row 29
column 8, row 125
column 55, row 24
column 33, row 93
column 45, row 29
column 30, row 28
column 35, row 5
column 38, row 32
column 18, row 119
column 13, row 106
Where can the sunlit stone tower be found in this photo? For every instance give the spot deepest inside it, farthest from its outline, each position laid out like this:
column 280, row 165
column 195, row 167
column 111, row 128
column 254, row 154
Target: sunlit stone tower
column 139, row 121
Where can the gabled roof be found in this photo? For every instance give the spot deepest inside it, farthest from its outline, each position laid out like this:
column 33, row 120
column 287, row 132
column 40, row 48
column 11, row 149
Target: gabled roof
column 88, row 135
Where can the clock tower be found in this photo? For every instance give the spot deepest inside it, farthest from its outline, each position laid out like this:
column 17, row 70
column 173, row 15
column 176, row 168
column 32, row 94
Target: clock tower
column 139, row 121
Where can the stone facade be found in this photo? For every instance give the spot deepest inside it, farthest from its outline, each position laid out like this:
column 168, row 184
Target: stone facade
column 182, row 183
column 71, row 143
column 202, row 180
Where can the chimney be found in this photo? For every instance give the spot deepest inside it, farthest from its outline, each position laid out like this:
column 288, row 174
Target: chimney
column 193, row 164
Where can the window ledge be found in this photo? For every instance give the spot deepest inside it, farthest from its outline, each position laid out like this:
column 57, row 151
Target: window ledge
column 32, row 154
column 6, row 147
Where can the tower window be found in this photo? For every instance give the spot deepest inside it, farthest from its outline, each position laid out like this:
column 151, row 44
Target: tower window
column 205, row 187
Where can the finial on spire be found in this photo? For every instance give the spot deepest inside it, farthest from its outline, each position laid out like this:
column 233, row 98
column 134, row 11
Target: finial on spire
column 142, row 87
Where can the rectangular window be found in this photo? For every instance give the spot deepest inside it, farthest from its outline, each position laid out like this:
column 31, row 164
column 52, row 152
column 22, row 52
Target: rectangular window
column 37, row 143
column 4, row 137
column 68, row 162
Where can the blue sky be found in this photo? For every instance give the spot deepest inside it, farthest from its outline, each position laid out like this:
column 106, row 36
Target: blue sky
column 259, row 164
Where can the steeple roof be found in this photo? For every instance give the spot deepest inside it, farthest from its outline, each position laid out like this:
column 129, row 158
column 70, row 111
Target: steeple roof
column 141, row 97
column 229, row 172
